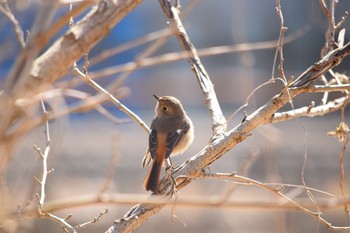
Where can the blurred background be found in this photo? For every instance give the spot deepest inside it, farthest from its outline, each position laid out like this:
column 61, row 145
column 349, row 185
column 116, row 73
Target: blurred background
column 90, row 153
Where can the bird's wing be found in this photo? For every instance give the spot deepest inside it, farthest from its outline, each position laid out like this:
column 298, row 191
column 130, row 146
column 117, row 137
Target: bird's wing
column 173, row 140
column 153, row 142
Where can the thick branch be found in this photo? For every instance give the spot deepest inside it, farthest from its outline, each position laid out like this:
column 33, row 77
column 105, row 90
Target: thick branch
column 226, row 141
column 315, row 71
column 57, row 60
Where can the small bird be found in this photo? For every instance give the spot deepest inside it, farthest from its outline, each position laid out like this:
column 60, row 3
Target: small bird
column 171, row 134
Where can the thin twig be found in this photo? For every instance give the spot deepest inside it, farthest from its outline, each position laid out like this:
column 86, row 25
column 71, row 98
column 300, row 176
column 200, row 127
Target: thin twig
column 95, row 220
column 5, row 9
column 161, row 36
column 44, row 157
column 212, row 51
column 311, row 111
column 280, row 43
column 42, row 181
column 129, row 45
column 278, row 192
column 120, row 106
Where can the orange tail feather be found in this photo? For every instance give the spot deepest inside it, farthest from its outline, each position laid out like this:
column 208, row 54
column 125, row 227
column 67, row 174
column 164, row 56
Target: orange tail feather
column 152, row 179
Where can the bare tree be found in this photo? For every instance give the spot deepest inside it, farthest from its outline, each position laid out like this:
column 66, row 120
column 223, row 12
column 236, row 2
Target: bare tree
column 35, row 90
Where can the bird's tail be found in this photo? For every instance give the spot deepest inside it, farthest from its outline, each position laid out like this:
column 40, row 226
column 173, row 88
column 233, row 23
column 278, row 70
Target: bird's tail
column 152, row 179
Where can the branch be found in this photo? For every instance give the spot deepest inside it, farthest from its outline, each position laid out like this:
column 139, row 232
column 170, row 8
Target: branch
column 41, row 198
column 42, row 33
column 311, row 111
column 200, row 201
column 330, row 88
column 205, row 52
column 101, row 90
column 314, row 72
column 218, row 119
column 278, row 192
column 218, row 146
column 44, row 157
column 279, row 50
column 223, row 142
column 57, row 60
column 5, row 9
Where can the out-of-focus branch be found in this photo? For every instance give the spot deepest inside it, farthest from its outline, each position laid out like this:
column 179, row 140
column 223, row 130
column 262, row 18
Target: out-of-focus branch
column 328, row 203
column 54, row 62
column 205, row 52
column 5, row 9
column 278, row 192
column 129, row 45
column 57, row 60
column 41, row 34
column 121, row 107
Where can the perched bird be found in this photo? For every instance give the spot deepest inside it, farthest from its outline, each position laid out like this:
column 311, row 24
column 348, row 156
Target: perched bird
column 171, row 134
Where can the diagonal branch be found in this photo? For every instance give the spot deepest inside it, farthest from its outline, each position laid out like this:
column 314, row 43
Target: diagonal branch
column 218, row 119
column 226, row 141
column 101, row 90
column 5, row 9
column 57, row 60
column 315, row 71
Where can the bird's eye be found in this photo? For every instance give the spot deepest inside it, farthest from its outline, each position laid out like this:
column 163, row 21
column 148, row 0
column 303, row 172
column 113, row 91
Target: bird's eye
column 165, row 108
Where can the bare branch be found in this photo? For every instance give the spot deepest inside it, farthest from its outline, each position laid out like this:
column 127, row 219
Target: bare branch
column 18, row 77
column 44, row 157
column 55, row 62
column 279, row 50
column 311, row 111
column 205, row 52
column 42, row 181
column 41, row 198
column 330, row 43
column 101, row 90
column 5, row 9
column 278, row 192
column 218, row 119
column 329, row 203
column 315, row 71
column 330, row 88
column 130, row 44
column 95, row 220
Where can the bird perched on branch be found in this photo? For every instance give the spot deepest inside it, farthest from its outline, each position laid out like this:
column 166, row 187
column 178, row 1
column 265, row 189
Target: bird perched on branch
column 171, row 134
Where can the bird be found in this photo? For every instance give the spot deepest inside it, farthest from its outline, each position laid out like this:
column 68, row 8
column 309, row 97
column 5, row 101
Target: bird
column 171, row 133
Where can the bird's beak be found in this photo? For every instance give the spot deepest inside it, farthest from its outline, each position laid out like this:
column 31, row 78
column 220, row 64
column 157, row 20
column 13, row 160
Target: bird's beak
column 157, row 98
